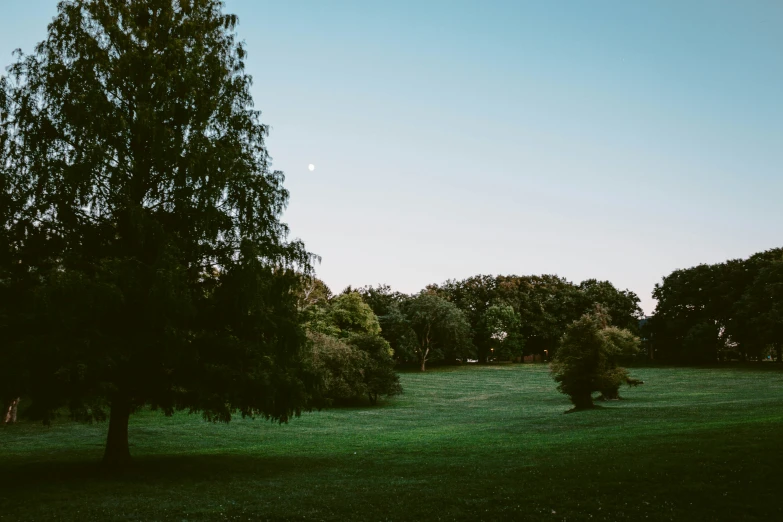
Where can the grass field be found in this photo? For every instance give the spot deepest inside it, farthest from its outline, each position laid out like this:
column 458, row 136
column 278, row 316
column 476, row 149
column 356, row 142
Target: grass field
column 467, row 443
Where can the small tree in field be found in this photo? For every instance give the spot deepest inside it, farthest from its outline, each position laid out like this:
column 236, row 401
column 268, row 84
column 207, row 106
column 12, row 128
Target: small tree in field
column 587, row 359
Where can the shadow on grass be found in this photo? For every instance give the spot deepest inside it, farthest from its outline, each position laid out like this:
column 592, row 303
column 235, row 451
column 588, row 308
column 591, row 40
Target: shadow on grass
column 764, row 366
column 594, row 407
column 360, row 404
column 161, row 470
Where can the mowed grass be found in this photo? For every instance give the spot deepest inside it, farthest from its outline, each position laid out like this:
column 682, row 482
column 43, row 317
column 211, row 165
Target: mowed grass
column 470, row 443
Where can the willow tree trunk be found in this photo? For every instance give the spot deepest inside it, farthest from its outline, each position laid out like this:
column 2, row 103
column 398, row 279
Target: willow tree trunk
column 117, row 453
column 10, row 411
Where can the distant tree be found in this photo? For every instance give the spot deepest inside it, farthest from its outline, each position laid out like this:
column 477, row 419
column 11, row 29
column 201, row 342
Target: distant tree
column 686, row 308
column 761, row 307
column 473, row 296
column 621, row 305
column 712, row 312
column 379, row 375
column 351, row 315
column 316, row 318
column 441, row 330
column 546, row 305
column 387, row 304
column 143, row 225
column 702, row 343
column 586, row 361
column 314, row 292
column 313, row 303
column 381, row 298
column 503, row 324
column 396, row 329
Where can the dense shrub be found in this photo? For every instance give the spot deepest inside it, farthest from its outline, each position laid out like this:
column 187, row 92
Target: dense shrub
column 379, row 375
column 350, row 369
column 339, row 368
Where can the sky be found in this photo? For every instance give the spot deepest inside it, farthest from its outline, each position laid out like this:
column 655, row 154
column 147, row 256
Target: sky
column 605, row 139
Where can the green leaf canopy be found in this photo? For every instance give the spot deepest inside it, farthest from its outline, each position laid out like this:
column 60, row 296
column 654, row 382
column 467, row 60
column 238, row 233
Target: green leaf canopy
column 146, row 259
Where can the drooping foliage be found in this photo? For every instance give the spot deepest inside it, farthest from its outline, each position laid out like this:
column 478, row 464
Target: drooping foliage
column 146, row 263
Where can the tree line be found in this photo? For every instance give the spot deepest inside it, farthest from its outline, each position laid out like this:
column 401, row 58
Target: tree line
column 357, row 336
column 485, row 317
column 448, row 324
column 720, row 312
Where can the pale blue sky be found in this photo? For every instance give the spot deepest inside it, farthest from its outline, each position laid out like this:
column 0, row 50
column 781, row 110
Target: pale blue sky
column 616, row 140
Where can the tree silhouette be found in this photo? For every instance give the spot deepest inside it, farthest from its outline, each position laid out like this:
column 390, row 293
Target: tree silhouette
column 143, row 223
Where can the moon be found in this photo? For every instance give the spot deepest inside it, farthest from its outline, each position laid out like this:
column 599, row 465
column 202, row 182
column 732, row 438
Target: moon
column 311, row 167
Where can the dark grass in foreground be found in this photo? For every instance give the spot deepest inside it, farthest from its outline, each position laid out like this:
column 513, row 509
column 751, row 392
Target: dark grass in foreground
column 467, row 443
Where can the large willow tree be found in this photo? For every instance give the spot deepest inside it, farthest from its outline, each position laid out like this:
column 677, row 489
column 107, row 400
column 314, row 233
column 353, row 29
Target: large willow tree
column 143, row 258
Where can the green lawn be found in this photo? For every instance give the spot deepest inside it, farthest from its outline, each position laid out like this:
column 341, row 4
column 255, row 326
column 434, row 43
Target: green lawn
column 465, row 443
